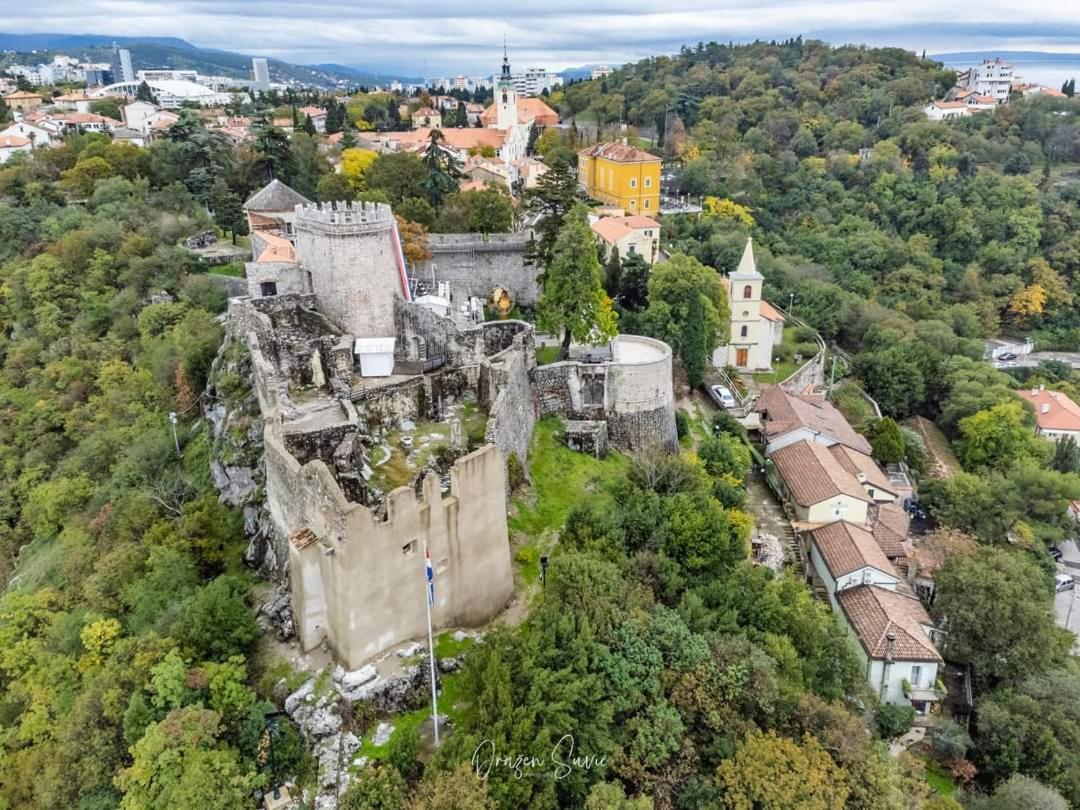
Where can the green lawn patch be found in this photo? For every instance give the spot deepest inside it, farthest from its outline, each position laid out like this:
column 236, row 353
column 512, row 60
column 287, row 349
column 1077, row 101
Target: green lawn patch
column 451, row 704
column 546, row 355
column 233, row 269
column 938, row 778
column 446, row 646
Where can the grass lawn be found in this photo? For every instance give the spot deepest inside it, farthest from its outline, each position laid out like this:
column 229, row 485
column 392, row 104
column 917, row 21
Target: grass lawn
column 785, row 368
column 546, row 355
column 233, row 269
column 938, row 778
column 562, row 479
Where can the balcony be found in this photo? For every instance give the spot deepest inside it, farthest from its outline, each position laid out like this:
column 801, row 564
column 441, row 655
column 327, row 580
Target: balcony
column 925, row 694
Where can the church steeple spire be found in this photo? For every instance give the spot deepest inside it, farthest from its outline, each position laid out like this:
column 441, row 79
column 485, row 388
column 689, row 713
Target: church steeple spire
column 506, row 61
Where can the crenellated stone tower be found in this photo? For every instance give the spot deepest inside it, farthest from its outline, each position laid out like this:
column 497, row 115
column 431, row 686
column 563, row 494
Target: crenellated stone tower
column 350, row 252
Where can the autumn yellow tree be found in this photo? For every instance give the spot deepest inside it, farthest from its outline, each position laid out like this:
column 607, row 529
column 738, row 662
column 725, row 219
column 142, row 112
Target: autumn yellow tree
column 354, row 164
column 723, row 208
column 773, row 771
column 1055, row 285
column 1028, row 302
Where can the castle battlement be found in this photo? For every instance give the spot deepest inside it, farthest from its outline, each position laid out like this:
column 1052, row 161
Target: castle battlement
column 344, row 217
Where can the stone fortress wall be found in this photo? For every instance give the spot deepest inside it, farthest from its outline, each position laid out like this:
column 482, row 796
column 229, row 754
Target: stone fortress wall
column 356, row 564
column 474, row 265
column 348, row 250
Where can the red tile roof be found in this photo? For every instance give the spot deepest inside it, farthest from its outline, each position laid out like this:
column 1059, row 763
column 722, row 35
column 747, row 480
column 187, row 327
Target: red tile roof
column 1061, row 412
column 812, row 474
column 855, row 463
column 784, row 412
column 528, row 109
column 875, row 612
column 13, row 141
column 846, row 548
column 619, row 152
column 890, row 529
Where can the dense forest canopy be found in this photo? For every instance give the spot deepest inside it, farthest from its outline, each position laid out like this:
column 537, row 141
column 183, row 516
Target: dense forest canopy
column 127, row 641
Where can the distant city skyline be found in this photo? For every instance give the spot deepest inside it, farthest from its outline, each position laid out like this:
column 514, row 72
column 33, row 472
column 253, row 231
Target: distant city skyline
column 417, row 37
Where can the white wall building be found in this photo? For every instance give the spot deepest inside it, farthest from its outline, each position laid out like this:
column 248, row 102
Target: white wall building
column 993, row 77
column 756, row 326
column 260, row 72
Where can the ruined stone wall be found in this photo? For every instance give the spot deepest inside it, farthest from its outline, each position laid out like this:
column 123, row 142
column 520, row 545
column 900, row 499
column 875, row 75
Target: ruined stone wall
column 474, row 265
column 361, row 586
column 349, row 252
column 289, row 277
column 507, row 393
column 232, row 285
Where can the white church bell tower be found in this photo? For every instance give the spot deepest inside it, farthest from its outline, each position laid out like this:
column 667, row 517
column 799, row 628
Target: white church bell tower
column 506, row 97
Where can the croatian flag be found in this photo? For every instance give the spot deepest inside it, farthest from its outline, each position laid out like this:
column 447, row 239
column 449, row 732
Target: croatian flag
column 430, row 577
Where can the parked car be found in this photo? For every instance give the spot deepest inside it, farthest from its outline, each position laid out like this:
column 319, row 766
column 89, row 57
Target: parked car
column 1063, row 582
column 1055, row 553
column 722, row 396
column 1007, row 356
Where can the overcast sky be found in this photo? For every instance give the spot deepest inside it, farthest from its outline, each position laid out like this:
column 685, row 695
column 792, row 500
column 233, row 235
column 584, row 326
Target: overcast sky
column 437, row 38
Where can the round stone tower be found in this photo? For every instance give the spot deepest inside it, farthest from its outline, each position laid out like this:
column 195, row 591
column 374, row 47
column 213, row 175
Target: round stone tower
column 640, row 396
column 352, row 255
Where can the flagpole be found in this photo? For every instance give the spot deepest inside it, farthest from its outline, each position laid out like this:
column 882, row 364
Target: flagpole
column 428, row 598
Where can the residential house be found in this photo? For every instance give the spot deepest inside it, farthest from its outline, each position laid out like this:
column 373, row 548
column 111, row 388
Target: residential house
column 756, row 325
column 629, row 235
column 1056, row 416
column 867, row 472
column 318, row 117
column 427, row 117
column 38, row 135
column 74, row 102
column 81, row 122
column 896, row 642
column 788, row 418
column 819, row 488
column 993, row 77
column 1029, row 90
column 945, row 110
column 529, row 171
column 10, row 145
column 622, row 175
column 845, row 555
column 473, row 112
column 129, row 136
column 23, row 101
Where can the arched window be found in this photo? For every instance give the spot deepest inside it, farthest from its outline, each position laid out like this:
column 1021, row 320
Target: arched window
column 504, row 97
column 747, row 291
column 742, row 332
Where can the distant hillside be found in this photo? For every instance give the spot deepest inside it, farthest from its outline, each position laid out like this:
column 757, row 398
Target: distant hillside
column 59, row 42
column 158, row 52
column 583, row 72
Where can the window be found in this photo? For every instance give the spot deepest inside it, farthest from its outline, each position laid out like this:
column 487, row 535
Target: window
column 633, row 204
column 916, row 676
column 748, row 291
column 646, row 202
column 268, row 288
column 409, row 549
column 648, row 182
column 633, row 182
column 742, row 332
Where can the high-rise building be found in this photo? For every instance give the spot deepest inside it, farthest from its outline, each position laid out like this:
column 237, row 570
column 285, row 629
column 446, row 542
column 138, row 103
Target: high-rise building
column 260, row 70
column 121, row 65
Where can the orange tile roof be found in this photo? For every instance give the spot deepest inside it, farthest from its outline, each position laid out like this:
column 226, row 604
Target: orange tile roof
column 640, row 221
column 812, row 474
column 13, row 141
column 771, row 313
column 84, row 118
column 278, row 248
column 528, row 109
column 949, row 105
column 1061, row 412
column 314, row 112
column 890, row 530
column 875, row 612
column 619, row 152
column 785, row 412
column 846, row 548
column 463, row 138
column 23, row 94
column 855, row 462
column 611, row 229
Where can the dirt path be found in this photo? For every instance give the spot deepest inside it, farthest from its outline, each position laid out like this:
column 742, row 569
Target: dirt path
column 945, row 463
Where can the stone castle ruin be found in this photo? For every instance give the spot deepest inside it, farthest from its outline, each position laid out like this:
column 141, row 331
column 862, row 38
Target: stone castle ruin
column 389, row 421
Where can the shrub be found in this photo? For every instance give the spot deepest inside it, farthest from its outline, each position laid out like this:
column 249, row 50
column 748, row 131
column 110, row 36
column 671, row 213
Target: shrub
column 949, row 739
column 515, row 472
column 804, row 334
column 892, row 721
column 682, row 424
column 807, row 350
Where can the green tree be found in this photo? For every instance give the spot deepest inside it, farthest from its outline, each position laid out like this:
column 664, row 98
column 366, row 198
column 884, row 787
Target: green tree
column 634, row 283
column 399, row 174
column 334, row 187
column 376, row 788
column 144, row 93
column 179, row 763
column 572, row 300
column 273, row 155
column 996, row 605
column 1019, row 791
column 459, row 789
column 217, row 623
column 999, row 437
column 228, row 210
column 688, row 309
column 773, row 771
column 887, row 441
column 893, row 720
column 613, row 274
column 442, row 170
column 550, row 202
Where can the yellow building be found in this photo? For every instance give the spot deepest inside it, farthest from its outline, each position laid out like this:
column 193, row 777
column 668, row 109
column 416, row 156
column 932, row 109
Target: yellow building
column 622, row 175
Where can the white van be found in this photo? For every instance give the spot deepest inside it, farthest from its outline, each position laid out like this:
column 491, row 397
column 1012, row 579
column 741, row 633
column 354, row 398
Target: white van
column 1063, row 582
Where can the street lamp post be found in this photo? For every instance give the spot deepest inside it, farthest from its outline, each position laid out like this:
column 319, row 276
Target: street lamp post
column 176, row 440
column 791, row 304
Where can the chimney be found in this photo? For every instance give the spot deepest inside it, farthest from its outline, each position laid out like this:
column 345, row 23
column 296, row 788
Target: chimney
column 1041, row 386
column 861, row 476
column 1046, row 407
